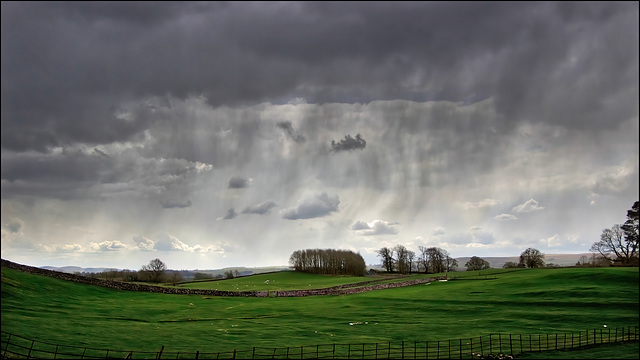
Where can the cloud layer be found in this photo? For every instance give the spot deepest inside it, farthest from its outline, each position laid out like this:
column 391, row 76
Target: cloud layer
column 129, row 129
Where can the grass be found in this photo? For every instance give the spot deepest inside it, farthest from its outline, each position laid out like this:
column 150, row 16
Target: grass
column 526, row 301
column 283, row 280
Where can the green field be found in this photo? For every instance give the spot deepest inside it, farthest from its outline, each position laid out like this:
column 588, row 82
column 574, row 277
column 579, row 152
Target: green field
column 525, row 301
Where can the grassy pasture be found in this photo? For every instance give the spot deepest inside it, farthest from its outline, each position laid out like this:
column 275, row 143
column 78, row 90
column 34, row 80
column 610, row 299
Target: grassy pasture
column 519, row 302
column 282, row 280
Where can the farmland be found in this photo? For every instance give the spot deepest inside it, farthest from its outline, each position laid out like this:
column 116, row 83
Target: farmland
column 524, row 301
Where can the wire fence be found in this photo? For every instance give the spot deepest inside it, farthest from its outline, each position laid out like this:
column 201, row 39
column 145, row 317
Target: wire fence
column 489, row 346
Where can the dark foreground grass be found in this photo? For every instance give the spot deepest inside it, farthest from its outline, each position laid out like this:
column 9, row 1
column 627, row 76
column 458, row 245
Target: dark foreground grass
column 544, row 301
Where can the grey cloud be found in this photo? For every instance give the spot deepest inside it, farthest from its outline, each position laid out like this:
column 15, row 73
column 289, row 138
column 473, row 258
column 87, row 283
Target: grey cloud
column 173, row 203
column 64, row 77
column 312, row 207
column 14, row 225
column 349, row 143
column 288, row 128
column 360, row 225
column 231, row 214
column 239, row 182
column 260, row 209
column 100, row 152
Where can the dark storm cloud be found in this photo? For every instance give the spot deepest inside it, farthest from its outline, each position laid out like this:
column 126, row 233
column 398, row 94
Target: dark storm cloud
column 349, row 143
column 239, row 182
column 68, row 66
column 288, row 128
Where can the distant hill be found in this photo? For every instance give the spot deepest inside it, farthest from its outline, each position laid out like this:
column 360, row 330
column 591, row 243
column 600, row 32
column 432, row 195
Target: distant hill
column 243, row 271
column 498, row 262
column 495, row 261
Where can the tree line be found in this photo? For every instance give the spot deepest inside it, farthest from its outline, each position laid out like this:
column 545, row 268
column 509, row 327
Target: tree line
column 328, row 262
column 618, row 245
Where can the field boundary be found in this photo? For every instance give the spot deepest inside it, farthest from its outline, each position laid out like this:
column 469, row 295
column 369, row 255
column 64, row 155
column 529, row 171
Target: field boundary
column 492, row 346
column 126, row 286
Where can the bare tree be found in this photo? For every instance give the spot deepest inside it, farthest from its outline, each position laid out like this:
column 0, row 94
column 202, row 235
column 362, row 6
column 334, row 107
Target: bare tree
column 386, row 255
column 175, row 277
column 154, row 271
column 613, row 246
column 531, row 258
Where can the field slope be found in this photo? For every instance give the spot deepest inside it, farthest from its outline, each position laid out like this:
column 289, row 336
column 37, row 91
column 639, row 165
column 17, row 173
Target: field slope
column 525, row 301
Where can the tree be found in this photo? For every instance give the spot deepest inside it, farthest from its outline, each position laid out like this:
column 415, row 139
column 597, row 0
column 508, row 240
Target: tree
column 511, row 265
column 436, row 260
column 328, row 262
column 175, row 277
column 154, row 271
column 476, row 263
column 402, row 258
column 386, row 255
column 631, row 227
column 531, row 258
column 613, row 246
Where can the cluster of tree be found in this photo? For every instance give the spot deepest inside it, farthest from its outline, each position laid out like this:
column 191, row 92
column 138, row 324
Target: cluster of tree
column 619, row 244
column 328, row 261
column 430, row 261
column 593, row 261
column 476, row 263
column 530, row 258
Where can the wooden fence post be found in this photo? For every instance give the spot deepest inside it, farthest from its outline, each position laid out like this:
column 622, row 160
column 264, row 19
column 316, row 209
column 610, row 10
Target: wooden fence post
column 29, row 355
column 510, row 345
column 160, row 353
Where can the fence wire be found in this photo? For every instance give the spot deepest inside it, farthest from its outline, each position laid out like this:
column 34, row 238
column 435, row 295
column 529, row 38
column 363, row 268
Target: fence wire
column 492, row 345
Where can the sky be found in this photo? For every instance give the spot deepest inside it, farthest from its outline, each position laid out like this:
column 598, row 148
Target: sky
column 218, row 134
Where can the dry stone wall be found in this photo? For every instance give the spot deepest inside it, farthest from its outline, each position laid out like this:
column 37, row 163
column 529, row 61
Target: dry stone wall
column 126, row 286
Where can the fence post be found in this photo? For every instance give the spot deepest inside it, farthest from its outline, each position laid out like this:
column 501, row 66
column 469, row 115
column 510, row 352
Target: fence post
column 521, row 343
column 572, row 339
column 389, row 351
column 160, row 353
column 460, row 350
column 500, row 343
column 6, row 346
column 29, row 355
column 403, row 350
column 510, row 345
column 481, row 351
column 333, row 353
column 426, row 350
column 84, row 351
column 197, row 354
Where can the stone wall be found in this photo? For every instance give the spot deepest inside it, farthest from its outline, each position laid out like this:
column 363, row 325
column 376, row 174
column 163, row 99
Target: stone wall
column 126, row 286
